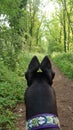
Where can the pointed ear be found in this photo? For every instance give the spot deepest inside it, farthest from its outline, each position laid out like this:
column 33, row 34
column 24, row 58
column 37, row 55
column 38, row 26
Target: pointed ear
column 46, row 67
column 45, row 64
column 34, row 64
column 32, row 69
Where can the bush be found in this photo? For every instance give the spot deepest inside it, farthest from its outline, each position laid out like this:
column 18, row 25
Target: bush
column 12, row 87
column 11, row 91
column 65, row 62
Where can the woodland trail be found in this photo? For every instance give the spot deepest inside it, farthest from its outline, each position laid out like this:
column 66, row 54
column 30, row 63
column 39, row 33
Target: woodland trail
column 64, row 94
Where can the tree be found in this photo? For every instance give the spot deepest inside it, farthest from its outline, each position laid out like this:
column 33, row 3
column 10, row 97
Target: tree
column 14, row 13
column 33, row 23
column 63, row 15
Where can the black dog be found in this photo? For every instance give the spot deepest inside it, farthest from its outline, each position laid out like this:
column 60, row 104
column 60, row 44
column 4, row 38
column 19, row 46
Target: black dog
column 40, row 99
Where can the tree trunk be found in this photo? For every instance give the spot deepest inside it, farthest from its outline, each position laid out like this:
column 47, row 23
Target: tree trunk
column 64, row 24
column 68, row 41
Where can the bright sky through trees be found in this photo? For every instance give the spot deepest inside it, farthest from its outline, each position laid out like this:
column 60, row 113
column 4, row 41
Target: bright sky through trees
column 48, row 8
column 3, row 20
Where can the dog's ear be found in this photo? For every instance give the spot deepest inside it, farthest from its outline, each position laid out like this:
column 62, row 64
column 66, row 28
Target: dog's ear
column 32, row 69
column 46, row 67
column 45, row 64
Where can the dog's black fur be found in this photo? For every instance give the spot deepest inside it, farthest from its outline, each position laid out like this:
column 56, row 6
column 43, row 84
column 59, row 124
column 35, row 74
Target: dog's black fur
column 40, row 96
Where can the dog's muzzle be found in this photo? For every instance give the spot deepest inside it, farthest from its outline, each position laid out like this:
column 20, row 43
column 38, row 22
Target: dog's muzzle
column 43, row 121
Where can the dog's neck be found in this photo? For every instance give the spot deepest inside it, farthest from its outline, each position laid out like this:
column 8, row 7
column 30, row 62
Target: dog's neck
column 42, row 121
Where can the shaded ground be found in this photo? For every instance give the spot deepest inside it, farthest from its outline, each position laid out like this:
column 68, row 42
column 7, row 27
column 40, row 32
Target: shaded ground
column 64, row 92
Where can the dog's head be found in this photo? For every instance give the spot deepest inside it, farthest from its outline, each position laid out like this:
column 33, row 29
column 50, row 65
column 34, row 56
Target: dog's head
column 46, row 70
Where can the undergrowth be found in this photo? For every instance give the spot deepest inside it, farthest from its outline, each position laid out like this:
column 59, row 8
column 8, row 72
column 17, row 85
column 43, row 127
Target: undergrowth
column 65, row 63
column 12, row 87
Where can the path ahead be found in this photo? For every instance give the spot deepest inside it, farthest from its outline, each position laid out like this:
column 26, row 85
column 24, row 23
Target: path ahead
column 64, row 93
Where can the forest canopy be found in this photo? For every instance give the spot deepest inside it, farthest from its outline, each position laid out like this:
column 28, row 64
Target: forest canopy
column 32, row 24
column 26, row 26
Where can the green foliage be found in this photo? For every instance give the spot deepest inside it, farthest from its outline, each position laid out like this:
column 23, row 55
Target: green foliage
column 53, row 46
column 23, row 60
column 12, row 89
column 7, row 120
column 11, row 37
column 23, row 30
column 65, row 62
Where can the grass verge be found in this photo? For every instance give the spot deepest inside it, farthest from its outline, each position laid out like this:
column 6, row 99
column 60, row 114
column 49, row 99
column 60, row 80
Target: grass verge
column 12, row 87
column 64, row 62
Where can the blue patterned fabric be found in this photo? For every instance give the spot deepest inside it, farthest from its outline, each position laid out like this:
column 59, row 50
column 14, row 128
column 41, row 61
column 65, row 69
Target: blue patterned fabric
column 43, row 121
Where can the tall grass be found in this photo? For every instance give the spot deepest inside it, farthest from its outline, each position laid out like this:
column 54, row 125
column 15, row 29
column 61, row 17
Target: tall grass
column 12, row 87
column 65, row 63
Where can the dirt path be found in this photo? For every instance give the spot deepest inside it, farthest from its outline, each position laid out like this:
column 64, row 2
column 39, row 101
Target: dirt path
column 64, row 92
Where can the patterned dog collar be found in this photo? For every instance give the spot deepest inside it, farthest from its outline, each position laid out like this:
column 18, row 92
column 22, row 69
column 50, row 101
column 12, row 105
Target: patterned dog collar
column 43, row 121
